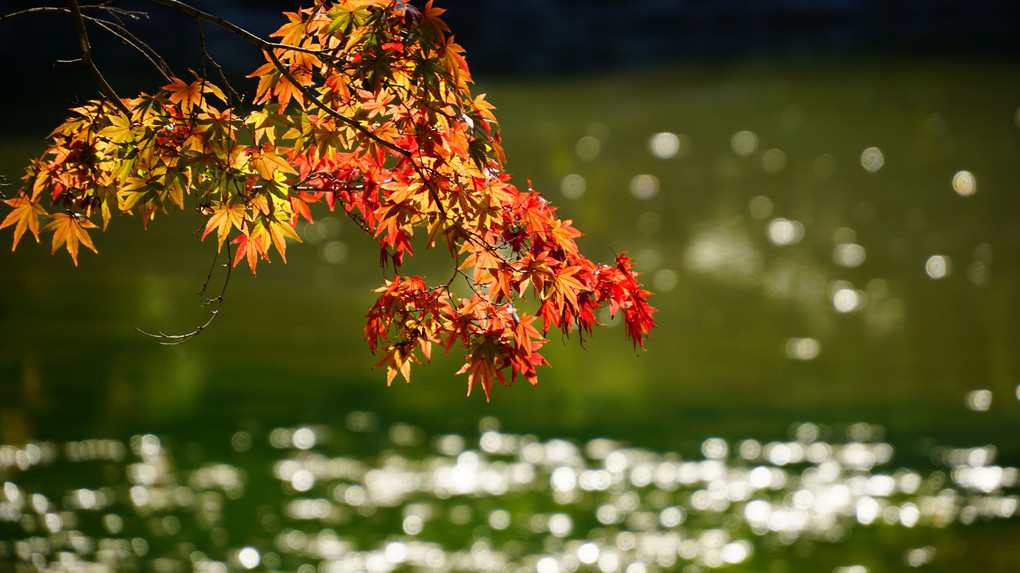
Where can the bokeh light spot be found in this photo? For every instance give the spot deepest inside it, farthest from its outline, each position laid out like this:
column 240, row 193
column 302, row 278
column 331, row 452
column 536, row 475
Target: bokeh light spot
column 848, row 255
column 499, row 519
column 964, row 183
column 588, row 553
column 302, row 480
column 303, row 438
column 666, row 145
column 872, row 159
column 333, row 252
column 588, row 148
column 773, row 160
column 979, row 400
column 785, row 232
column 802, row 348
column 664, row 280
column 937, row 266
column 848, row 300
column 248, row 557
column 547, row 565
column 920, row 556
column 760, row 207
column 573, row 186
column 644, row 186
column 744, row 143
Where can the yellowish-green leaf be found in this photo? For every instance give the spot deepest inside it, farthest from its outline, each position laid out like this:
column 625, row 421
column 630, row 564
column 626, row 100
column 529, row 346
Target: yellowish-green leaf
column 120, row 130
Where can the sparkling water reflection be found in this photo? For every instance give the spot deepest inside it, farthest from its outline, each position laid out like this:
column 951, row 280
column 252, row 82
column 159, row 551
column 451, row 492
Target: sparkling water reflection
column 295, row 500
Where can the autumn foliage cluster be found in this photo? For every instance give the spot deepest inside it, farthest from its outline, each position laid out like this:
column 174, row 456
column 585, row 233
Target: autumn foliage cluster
column 365, row 106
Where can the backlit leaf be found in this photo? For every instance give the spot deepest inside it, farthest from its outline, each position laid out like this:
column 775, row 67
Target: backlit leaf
column 69, row 230
column 25, row 217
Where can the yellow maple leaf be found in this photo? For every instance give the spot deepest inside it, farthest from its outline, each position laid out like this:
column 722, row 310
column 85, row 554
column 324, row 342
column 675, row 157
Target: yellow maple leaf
column 26, row 215
column 69, row 230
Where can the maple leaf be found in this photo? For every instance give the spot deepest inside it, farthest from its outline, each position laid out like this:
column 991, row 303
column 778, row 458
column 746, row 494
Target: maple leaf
column 223, row 218
column 120, row 130
column 456, row 64
column 267, row 74
column 432, row 18
column 286, row 91
column 395, row 138
column 267, row 163
column 69, row 230
column 481, row 367
column 25, row 215
column 293, row 31
column 250, row 247
column 397, row 360
column 133, row 190
column 185, row 94
column 280, row 232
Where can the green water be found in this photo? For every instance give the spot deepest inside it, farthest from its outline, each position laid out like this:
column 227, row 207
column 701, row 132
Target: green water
column 834, row 244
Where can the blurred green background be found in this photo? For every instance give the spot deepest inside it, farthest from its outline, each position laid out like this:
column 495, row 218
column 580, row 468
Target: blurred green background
column 830, row 241
column 745, row 150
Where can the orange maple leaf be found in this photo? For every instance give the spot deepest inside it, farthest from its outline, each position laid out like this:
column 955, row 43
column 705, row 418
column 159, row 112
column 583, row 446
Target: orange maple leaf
column 185, row 94
column 191, row 95
column 69, row 230
column 222, row 219
column 26, row 214
column 397, row 360
column 481, row 368
column 432, row 17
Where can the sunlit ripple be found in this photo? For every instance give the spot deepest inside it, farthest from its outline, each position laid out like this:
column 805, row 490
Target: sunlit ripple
column 872, row 159
column 744, row 143
column 848, row 255
column 802, row 348
column 644, row 186
column 979, row 400
column 964, row 183
column 773, row 160
column 937, row 267
column 666, row 145
column 785, row 232
column 723, row 253
column 588, row 148
column 653, row 510
column 573, row 186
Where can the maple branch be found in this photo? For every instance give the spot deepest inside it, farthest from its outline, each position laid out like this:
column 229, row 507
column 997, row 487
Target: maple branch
column 130, row 40
column 176, row 339
column 116, row 29
column 207, row 56
column 230, row 26
column 269, row 48
column 34, row 10
column 86, row 58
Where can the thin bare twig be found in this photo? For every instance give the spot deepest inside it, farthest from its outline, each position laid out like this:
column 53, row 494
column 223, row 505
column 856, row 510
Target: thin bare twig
column 176, row 339
column 86, row 58
column 115, row 29
column 219, row 69
column 35, row 10
column 121, row 33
